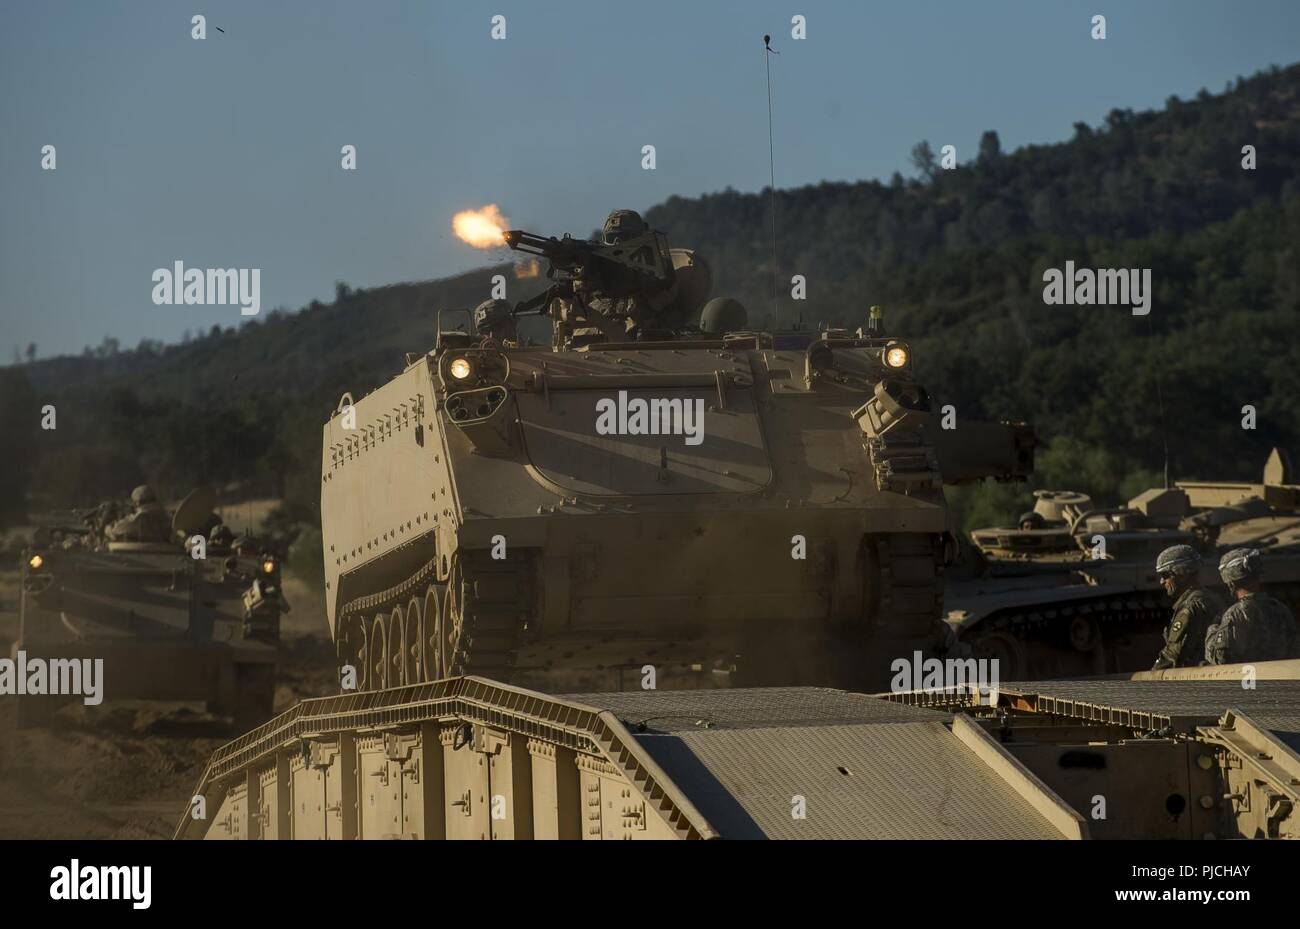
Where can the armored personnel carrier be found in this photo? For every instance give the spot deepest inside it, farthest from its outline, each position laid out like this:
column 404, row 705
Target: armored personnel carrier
column 697, row 504
column 1077, row 591
column 190, row 619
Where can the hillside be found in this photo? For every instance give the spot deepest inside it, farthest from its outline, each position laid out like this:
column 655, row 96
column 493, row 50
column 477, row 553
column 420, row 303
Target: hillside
column 955, row 256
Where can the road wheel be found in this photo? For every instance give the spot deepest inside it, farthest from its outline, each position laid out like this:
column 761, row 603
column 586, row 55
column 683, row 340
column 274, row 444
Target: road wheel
column 379, row 654
column 1007, row 650
column 435, row 601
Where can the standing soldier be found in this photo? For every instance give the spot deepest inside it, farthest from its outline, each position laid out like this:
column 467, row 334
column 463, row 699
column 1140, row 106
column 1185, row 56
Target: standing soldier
column 1257, row 627
column 1195, row 609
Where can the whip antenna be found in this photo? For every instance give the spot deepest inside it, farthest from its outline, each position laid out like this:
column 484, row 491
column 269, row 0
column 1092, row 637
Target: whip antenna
column 771, row 167
column 1160, row 401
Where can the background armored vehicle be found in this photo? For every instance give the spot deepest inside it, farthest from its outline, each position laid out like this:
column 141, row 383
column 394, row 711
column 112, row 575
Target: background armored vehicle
column 1080, row 594
column 764, row 503
column 167, row 624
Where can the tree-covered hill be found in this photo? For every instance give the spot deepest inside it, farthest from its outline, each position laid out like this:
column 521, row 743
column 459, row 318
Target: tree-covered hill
column 955, row 256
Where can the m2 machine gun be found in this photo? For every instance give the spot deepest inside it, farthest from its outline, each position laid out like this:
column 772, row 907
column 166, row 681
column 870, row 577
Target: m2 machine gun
column 638, row 265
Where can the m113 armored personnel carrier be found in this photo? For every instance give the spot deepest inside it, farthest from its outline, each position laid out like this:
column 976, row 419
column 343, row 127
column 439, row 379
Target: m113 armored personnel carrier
column 1076, row 590
column 643, row 496
column 170, row 620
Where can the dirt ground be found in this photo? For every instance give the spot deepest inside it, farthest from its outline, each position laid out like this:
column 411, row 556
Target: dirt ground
column 127, row 770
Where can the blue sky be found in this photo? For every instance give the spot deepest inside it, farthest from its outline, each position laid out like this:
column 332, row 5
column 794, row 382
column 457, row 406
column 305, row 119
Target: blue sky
column 225, row 152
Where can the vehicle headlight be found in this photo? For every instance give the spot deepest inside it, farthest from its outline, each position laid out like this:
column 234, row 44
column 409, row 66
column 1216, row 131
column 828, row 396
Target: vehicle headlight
column 35, row 562
column 460, row 368
column 896, row 356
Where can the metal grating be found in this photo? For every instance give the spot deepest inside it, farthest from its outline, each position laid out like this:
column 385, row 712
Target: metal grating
column 1144, row 705
column 747, row 708
column 1153, row 705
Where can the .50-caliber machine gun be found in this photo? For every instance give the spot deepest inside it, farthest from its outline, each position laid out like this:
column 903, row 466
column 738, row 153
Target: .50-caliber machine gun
column 640, row 265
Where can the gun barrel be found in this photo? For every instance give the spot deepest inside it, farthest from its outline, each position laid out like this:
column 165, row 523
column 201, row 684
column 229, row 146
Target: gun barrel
column 566, row 252
column 531, row 243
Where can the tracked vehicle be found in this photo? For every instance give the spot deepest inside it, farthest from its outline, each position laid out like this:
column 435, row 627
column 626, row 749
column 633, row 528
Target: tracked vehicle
column 702, row 508
column 167, row 625
column 1080, row 594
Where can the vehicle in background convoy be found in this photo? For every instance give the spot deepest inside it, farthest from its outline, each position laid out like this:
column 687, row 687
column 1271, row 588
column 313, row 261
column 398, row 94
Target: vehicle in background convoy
column 479, row 517
column 168, row 625
column 1080, row 595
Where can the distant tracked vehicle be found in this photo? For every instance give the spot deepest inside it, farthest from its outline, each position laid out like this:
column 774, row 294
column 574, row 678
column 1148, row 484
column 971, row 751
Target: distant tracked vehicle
column 167, row 625
column 1080, row 594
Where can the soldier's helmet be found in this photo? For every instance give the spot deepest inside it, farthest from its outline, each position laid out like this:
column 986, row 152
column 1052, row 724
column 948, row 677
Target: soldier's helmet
column 1178, row 559
column 143, row 494
column 1035, row 520
column 221, row 536
column 1239, row 564
column 620, row 224
column 723, row 314
column 492, row 317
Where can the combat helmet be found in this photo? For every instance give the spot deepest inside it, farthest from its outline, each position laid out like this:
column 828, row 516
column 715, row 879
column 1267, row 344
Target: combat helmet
column 492, row 318
column 722, row 315
column 620, row 224
column 1032, row 517
column 1239, row 564
column 1178, row 559
column 143, row 494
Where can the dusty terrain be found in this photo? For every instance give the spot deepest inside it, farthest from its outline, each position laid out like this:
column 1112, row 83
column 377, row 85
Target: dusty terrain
column 127, row 770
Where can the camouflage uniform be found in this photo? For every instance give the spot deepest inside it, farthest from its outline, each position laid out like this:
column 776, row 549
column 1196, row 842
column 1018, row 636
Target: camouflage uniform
column 149, row 522
column 493, row 319
column 1195, row 611
column 636, row 309
column 1255, row 628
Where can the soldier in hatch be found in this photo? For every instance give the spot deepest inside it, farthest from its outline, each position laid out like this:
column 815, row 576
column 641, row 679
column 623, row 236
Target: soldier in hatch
column 634, row 310
column 1031, row 520
column 493, row 320
column 1256, row 627
column 148, row 523
column 722, row 315
column 652, row 312
column 628, row 286
column 1195, row 608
